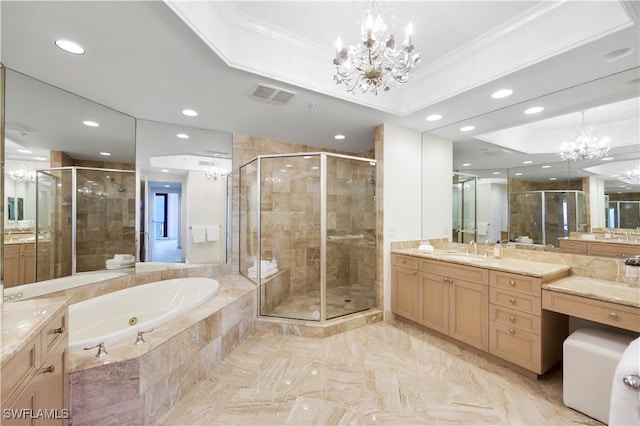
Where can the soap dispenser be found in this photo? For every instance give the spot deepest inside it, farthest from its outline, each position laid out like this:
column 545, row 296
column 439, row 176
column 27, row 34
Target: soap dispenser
column 497, row 250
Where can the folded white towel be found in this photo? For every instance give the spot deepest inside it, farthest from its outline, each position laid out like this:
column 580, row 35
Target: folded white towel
column 123, row 257
column 213, row 232
column 198, row 234
column 263, row 273
column 114, row 264
column 268, row 268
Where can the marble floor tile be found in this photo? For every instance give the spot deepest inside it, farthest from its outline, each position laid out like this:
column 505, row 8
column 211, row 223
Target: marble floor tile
column 383, row 373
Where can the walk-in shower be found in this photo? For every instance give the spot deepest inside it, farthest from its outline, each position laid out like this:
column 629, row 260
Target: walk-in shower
column 308, row 234
column 84, row 216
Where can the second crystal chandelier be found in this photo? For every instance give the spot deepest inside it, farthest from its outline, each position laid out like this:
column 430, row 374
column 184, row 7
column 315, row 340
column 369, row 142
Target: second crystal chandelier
column 376, row 62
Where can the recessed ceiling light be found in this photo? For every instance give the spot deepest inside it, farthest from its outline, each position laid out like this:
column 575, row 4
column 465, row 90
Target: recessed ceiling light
column 283, row 170
column 622, row 186
column 165, row 170
column 306, row 157
column 189, row 113
column 527, row 162
column 552, row 178
column 607, row 159
column 167, row 186
column 466, row 164
column 40, row 158
column 90, row 123
column 467, row 128
column 106, row 154
column 288, row 165
column 534, row 110
column 24, row 151
column 434, row 117
column 314, row 168
column 70, row 46
column 496, row 173
column 182, row 136
column 615, row 175
column 339, row 137
column 502, row 93
column 546, row 167
column 617, row 54
column 518, row 174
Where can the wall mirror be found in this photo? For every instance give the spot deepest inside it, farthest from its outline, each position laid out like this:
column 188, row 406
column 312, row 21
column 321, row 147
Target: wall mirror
column 183, row 173
column 51, row 134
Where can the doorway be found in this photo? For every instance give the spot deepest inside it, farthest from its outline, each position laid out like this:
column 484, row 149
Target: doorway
column 164, row 236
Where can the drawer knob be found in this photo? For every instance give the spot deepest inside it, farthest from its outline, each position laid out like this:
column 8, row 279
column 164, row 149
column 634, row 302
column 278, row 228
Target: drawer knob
column 512, row 282
column 58, row 330
column 613, row 315
column 414, row 273
column 49, row 369
column 512, row 301
column 445, row 280
column 512, row 331
column 404, row 261
column 512, row 318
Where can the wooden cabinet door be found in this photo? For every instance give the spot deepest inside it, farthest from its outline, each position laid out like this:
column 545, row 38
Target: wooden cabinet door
column 433, row 309
column 404, row 292
column 22, row 411
column 52, row 387
column 11, row 265
column 27, row 263
column 469, row 313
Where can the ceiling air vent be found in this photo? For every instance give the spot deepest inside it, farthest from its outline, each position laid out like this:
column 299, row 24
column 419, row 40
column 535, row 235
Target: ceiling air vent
column 272, row 93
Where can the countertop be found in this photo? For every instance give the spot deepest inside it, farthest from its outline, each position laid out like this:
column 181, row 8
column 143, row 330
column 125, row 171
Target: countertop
column 597, row 289
column 21, row 321
column 545, row 271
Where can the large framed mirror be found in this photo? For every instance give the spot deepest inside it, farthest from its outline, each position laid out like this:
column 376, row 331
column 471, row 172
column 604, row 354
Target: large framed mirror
column 69, row 184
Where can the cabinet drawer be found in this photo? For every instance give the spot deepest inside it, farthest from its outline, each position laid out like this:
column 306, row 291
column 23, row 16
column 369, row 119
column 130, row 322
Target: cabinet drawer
column 54, row 332
column 517, row 346
column 515, row 282
column 622, row 316
column 518, row 301
column 515, row 319
column 621, row 251
column 451, row 270
column 404, row 261
column 573, row 245
column 17, row 373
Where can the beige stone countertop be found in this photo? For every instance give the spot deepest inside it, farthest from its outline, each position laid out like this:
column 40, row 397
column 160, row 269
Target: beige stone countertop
column 21, row 321
column 593, row 288
column 546, row 271
column 633, row 242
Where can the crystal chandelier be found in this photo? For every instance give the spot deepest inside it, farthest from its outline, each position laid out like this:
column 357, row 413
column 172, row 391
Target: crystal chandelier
column 633, row 176
column 584, row 145
column 215, row 172
column 375, row 63
column 23, row 175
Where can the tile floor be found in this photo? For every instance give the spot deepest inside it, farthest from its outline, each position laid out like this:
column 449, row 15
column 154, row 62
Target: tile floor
column 166, row 251
column 384, row 373
column 340, row 301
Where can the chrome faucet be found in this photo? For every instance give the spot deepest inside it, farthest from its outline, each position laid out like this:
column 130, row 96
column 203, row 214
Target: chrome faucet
column 101, row 349
column 140, row 340
column 475, row 247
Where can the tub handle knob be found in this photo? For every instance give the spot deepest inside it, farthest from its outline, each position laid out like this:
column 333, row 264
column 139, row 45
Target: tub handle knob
column 140, row 340
column 59, row 330
column 101, row 349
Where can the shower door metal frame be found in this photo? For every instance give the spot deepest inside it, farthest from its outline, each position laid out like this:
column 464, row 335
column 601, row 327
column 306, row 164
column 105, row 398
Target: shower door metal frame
column 323, row 219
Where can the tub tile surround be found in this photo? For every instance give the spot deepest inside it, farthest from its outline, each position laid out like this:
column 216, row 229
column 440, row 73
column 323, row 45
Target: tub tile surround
column 385, row 373
column 176, row 355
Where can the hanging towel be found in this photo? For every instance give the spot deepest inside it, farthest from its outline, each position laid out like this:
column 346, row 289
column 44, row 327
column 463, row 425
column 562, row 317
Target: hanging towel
column 198, row 234
column 483, row 228
column 213, row 232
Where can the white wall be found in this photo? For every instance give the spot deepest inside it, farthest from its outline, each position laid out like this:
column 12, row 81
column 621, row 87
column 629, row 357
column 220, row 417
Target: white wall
column 437, row 199
column 596, row 202
column 402, row 186
column 492, row 207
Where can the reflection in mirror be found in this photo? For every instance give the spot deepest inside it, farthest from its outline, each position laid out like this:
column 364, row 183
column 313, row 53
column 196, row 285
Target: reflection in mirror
column 47, row 128
column 464, row 208
column 183, row 174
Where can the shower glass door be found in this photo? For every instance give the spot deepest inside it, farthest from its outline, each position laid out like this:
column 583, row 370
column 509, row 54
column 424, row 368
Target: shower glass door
column 47, row 215
column 464, row 208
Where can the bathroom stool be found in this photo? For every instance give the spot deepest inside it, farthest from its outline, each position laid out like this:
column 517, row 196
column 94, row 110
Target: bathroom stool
column 589, row 361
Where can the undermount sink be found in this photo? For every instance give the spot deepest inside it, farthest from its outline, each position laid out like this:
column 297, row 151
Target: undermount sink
column 467, row 257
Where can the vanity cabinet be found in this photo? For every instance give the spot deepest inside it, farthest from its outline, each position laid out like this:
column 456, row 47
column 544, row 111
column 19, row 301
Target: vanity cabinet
column 19, row 264
column 520, row 332
column 35, row 380
column 445, row 297
column 599, row 248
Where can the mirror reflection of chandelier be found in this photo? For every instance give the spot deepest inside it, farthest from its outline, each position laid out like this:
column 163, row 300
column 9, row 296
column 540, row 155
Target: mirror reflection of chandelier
column 215, row 172
column 633, row 176
column 584, row 145
column 23, row 175
column 375, row 63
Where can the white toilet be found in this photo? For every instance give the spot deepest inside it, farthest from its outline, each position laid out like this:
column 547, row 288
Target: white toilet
column 590, row 358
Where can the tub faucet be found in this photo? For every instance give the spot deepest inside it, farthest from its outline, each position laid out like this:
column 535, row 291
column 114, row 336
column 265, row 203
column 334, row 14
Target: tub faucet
column 140, row 340
column 101, row 349
column 475, row 247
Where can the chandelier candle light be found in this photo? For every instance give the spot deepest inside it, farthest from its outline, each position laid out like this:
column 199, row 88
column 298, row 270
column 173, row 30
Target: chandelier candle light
column 375, row 63
column 584, row 145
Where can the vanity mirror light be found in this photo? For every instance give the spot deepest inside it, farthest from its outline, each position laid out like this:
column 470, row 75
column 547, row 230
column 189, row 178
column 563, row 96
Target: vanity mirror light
column 50, row 135
column 183, row 173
